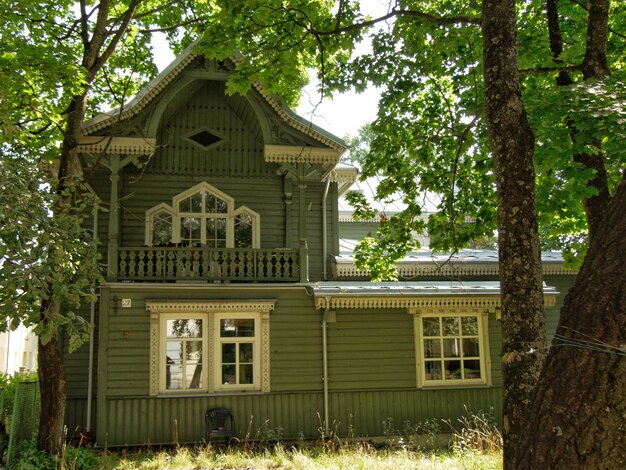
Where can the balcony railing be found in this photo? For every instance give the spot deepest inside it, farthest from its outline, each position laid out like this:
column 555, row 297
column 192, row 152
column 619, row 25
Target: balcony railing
column 208, row 264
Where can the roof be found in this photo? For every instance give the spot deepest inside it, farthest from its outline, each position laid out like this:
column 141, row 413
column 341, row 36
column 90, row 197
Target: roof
column 427, row 263
column 173, row 71
column 414, row 295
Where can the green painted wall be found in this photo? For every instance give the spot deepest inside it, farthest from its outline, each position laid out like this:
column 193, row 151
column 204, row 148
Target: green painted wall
column 371, row 371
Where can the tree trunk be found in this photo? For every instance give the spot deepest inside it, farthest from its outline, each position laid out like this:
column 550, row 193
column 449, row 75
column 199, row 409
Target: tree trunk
column 52, row 385
column 512, row 146
column 51, row 369
column 587, row 359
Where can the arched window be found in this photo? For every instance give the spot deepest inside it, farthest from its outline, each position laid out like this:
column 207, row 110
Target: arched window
column 203, row 216
column 159, row 223
column 247, row 233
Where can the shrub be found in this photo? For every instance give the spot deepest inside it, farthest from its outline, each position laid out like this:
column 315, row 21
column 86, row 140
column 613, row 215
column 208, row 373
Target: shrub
column 72, row 458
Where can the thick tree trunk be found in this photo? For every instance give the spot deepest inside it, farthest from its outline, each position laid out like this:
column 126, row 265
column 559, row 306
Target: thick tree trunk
column 53, row 395
column 51, row 369
column 512, row 145
column 578, row 419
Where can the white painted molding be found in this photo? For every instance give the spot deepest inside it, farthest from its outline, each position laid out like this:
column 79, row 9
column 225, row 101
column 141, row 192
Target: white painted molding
column 209, row 306
column 300, row 154
column 98, row 144
column 410, row 270
column 418, row 303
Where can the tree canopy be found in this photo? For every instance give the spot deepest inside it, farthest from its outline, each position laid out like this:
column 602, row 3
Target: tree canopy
column 430, row 132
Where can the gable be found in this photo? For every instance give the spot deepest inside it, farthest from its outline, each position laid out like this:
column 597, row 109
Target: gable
column 203, row 131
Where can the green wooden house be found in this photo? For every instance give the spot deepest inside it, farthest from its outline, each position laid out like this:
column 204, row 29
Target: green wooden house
column 227, row 286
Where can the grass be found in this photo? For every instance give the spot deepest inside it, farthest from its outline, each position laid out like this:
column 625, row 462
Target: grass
column 476, row 444
column 346, row 457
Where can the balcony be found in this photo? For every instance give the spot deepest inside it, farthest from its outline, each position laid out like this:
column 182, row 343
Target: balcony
column 158, row 264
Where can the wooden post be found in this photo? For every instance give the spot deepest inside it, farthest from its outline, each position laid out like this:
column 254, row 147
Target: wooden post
column 302, row 227
column 114, row 220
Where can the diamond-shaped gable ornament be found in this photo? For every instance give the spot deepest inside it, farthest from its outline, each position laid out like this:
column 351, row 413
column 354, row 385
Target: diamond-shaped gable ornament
column 205, row 138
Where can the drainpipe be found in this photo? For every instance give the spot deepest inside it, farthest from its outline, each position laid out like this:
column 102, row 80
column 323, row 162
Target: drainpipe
column 324, row 234
column 325, row 366
column 92, row 320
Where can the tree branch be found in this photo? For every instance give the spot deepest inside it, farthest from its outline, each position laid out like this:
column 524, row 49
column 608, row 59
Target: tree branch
column 563, row 68
column 401, row 13
column 392, row 14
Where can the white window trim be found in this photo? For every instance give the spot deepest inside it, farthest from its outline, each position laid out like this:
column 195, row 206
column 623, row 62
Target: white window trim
column 229, row 216
column 485, row 356
column 256, row 351
column 209, row 311
column 162, row 348
column 163, row 207
column 256, row 224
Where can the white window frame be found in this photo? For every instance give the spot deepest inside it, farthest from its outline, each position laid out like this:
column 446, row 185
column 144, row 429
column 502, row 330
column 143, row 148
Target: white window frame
column 256, row 350
column 150, row 213
column 229, row 216
column 204, row 379
column 256, row 224
column 211, row 312
column 203, row 216
column 483, row 344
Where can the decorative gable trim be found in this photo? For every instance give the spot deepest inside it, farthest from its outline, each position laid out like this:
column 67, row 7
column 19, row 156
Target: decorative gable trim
column 95, row 144
column 143, row 98
column 303, row 126
column 415, row 304
column 300, row 154
column 209, row 306
column 171, row 73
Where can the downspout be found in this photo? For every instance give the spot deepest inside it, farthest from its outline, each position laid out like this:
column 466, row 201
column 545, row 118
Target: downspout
column 325, row 367
column 92, row 321
column 324, row 229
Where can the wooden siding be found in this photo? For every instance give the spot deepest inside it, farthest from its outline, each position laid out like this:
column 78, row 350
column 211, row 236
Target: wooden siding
column 142, row 420
column 562, row 284
column 240, row 151
column 371, row 349
column 142, row 192
column 294, row 329
column 371, row 370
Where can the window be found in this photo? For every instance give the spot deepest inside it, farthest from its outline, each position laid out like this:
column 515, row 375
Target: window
column 452, row 348
column 230, row 337
column 203, row 216
column 159, row 222
column 237, row 349
column 246, row 224
column 183, row 341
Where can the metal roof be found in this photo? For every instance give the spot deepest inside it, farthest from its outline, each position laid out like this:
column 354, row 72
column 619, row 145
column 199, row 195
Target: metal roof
column 427, row 263
column 416, row 296
column 409, row 288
